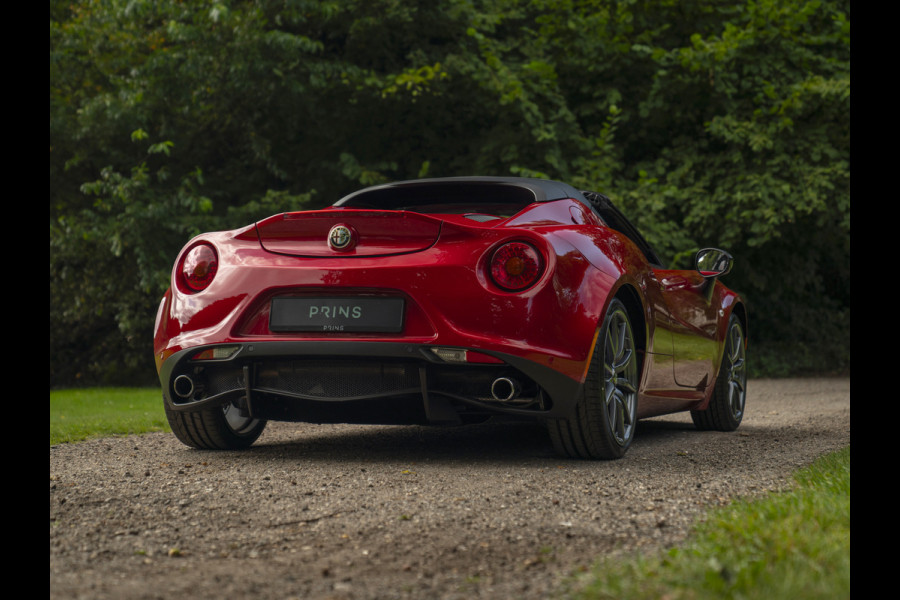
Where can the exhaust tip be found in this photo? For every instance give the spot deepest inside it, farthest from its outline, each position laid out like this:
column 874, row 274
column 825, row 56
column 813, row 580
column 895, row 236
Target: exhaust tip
column 505, row 389
column 183, row 386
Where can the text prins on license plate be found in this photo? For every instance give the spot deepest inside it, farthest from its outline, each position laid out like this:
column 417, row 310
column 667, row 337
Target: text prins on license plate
column 334, row 311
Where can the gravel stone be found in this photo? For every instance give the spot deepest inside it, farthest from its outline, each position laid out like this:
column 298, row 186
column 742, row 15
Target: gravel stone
column 350, row 512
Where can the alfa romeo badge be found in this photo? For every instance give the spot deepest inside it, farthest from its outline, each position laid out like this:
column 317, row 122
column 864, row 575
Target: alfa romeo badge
column 340, row 237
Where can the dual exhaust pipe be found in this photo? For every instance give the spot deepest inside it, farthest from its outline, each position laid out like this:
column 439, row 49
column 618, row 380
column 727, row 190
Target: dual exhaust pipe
column 505, row 389
column 185, row 387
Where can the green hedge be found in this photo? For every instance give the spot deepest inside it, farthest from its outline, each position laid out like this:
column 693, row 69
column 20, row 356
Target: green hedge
column 721, row 124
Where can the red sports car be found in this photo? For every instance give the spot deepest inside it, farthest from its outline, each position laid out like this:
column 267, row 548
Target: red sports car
column 448, row 301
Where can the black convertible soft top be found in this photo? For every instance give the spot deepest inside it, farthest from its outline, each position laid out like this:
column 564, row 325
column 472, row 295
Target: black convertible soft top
column 471, row 190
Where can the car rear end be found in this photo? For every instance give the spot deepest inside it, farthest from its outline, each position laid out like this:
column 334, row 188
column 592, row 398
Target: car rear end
column 378, row 316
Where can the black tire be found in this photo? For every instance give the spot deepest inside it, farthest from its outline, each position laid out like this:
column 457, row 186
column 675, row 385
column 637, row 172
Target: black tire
column 215, row 427
column 604, row 422
column 726, row 407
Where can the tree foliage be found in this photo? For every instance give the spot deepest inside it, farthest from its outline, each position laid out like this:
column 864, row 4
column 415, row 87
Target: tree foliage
column 710, row 123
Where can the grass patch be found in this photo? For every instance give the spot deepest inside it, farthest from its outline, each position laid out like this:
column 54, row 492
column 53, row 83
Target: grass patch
column 80, row 414
column 794, row 544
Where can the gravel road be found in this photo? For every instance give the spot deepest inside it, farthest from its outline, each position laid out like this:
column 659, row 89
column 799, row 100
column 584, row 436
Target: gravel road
column 364, row 512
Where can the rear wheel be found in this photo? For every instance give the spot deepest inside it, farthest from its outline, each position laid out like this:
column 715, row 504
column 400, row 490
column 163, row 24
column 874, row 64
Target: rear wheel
column 605, row 418
column 726, row 407
column 215, row 427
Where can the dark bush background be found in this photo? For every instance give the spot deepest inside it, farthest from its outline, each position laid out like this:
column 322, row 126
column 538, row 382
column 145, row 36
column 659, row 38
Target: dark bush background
column 721, row 123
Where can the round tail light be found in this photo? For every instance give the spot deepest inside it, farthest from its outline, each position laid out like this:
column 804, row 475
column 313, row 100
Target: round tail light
column 516, row 266
column 199, row 267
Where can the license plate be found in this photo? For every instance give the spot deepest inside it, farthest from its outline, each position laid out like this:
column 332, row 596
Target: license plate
column 383, row 315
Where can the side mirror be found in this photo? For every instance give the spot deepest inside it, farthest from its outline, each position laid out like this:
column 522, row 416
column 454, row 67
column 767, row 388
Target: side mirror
column 712, row 262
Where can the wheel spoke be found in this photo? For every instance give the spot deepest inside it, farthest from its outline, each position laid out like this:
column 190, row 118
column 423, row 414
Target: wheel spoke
column 623, row 383
column 611, row 410
column 609, row 371
column 620, row 342
column 627, row 416
column 737, row 344
column 622, row 418
column 612, row 351
column 620, row 421
column 609, row 392
column 736, row 398
column 623, row 362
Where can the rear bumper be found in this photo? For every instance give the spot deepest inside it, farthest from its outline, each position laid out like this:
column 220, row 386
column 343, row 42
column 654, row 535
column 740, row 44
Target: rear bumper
column 356, row 381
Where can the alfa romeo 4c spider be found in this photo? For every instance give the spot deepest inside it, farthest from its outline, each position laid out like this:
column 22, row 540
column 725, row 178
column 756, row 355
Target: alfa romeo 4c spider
column 448, row 301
